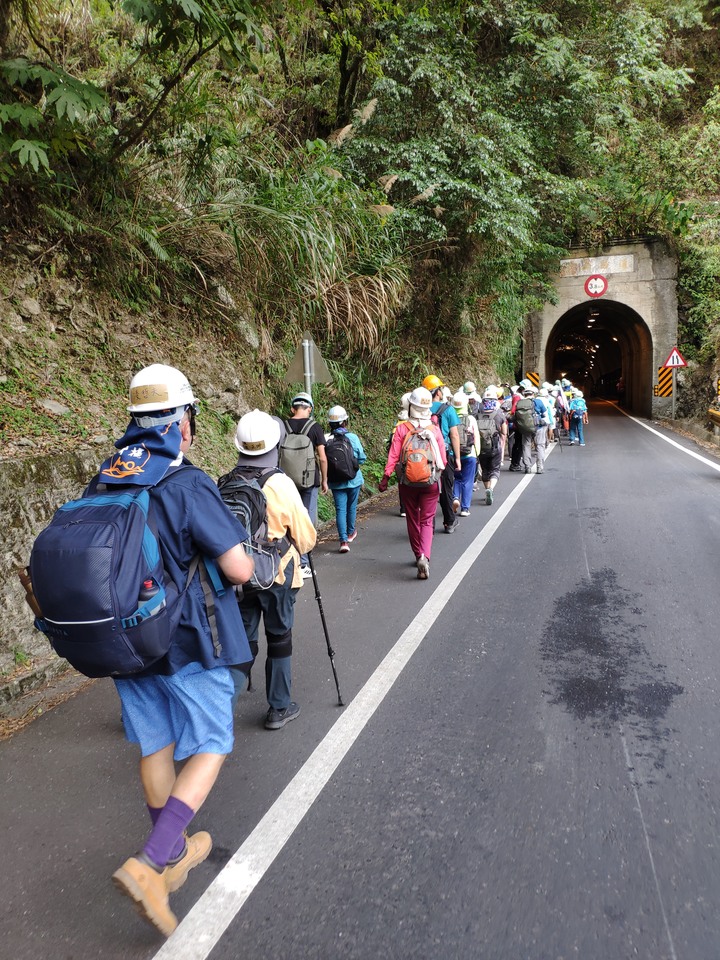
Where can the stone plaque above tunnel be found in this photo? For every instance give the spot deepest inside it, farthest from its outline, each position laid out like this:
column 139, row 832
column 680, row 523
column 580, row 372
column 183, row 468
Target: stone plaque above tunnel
column 587, row 266
column 621, row 335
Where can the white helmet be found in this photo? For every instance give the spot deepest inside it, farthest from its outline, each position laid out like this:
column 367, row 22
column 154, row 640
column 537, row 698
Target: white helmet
column 337, row 414
column 491, row 392
column 302, row 399
column 420, row 403
column 469, row 387
column 257, row 433
column 159, row 389
column 460, row 400
column 446, row 394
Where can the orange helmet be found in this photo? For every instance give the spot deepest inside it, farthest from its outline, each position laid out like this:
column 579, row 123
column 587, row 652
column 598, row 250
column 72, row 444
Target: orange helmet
column 431, row 382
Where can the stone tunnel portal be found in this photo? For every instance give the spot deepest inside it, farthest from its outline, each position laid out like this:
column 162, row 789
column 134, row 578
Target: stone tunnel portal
column 595, row 343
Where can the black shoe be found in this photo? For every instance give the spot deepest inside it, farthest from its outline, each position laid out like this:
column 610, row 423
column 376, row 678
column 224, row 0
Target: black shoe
column 276, row 719
column 450, row 527
column 514, row 469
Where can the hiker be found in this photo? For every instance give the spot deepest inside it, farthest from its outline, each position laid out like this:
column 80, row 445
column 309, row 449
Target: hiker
column 562, row 412
column 180, row 709
column 309, row 479
column 468, row 440
column 543, row 407
column 527, row 422
column 473, row 398
column 447, row 419
column 549, row 401
column 492, row 437
column 419, row 450
column 578, row 417
column 345, row 454
column 516, row 393
column 288, row 523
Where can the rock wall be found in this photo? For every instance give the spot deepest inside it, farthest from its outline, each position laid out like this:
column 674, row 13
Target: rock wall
column 30, row 492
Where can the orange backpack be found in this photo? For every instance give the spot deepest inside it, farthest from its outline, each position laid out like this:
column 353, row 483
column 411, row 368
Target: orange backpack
column 418, row 465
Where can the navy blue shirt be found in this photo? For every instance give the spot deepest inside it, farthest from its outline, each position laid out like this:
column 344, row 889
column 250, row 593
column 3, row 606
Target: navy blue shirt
column 192, row 519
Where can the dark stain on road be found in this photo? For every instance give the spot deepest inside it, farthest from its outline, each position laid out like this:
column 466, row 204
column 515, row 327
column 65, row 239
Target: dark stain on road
column 598, row 666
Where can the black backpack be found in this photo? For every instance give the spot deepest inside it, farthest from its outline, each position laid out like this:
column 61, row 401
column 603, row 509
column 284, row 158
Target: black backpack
column 242, row 492
column 342, row 463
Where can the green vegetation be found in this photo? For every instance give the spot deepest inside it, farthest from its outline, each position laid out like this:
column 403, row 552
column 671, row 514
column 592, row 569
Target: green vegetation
column 398, row 178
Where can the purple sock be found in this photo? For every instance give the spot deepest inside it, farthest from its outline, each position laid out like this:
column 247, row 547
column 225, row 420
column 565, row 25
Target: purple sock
column 167, row 841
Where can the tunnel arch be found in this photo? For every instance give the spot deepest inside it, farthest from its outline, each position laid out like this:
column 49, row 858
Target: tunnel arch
column 595, row 343
column 629, row 289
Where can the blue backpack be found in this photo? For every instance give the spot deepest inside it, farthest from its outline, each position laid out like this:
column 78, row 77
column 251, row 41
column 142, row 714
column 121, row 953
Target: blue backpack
column 97, row 574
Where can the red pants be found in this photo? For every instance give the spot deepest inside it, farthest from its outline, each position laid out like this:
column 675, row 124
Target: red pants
column 420, row 505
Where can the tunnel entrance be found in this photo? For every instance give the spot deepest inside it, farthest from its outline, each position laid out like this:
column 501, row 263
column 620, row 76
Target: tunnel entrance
column 614, row 314
column 595, row 344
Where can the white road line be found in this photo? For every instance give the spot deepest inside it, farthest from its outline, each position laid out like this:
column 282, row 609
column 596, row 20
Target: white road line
column 674, row 443
column 213, row 913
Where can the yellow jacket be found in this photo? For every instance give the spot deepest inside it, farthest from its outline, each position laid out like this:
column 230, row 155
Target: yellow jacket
column 287, row 516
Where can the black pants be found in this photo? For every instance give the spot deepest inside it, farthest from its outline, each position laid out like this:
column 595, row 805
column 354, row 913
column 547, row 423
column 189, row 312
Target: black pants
column 447, row 488
column 516, row 452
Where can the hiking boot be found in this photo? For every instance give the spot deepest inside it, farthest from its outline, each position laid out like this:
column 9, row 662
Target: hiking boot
column 423, row 568
column 488, row 497
column 276, row 719
column 305, row 571
column 464, row 513
column 344, row 547
column 197, row 849
column 456, row 505
column 514, row 469
column 450, row 527
column 352, row 536
column 148, row 890
column 540, row 469
column 528, row 469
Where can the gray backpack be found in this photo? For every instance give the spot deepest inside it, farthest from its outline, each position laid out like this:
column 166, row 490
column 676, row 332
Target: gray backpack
column 297, row 456
column 489, row 434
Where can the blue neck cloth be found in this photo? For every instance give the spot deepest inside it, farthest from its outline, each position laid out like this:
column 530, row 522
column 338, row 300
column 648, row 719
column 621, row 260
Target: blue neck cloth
column 145, row 455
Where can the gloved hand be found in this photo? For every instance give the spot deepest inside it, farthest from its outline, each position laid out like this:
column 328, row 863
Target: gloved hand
column 383, row 485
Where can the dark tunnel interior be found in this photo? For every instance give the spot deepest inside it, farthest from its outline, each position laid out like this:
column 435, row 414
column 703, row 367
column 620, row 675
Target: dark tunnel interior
column 596, row 343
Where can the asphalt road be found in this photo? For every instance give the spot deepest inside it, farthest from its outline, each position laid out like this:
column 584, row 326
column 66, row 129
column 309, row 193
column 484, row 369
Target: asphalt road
column 526, row 767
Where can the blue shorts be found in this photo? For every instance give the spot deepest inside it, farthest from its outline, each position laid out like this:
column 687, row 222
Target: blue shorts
column 191, row 708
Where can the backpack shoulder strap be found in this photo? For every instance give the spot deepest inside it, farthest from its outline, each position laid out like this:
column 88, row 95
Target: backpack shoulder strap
column 306, row 426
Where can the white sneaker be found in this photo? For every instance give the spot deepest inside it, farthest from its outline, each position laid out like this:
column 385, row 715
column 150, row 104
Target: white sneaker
column 464, row 513
column 306, row 572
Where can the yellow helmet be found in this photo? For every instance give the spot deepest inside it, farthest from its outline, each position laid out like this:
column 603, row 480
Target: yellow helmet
column 431, row 382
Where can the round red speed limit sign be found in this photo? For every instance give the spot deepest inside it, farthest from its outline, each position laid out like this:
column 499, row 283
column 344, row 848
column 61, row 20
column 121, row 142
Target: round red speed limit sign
column 596, row 285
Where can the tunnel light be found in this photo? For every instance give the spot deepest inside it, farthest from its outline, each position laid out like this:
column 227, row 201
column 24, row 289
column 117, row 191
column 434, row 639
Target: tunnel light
column 615, row 339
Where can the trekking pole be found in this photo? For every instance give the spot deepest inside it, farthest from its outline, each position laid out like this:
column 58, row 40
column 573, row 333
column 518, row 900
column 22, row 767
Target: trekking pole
column 331, row 652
